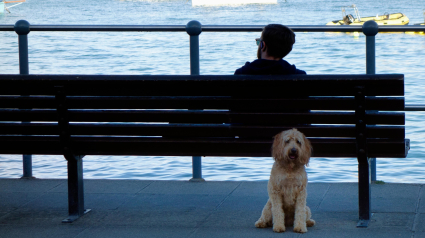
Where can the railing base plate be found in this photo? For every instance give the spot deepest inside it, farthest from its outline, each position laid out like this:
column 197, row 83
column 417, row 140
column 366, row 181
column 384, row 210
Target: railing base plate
column 72, row 218
column 363, row 223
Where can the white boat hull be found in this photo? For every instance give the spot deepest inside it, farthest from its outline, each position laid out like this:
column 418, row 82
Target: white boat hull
column 230, row 2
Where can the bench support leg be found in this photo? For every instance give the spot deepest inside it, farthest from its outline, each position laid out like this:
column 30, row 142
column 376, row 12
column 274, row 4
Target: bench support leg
column 364, row 192
column 363, row 160
column 75, row 188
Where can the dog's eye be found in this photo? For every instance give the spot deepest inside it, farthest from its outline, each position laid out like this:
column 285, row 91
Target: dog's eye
column 287, row 141
column 299, row 142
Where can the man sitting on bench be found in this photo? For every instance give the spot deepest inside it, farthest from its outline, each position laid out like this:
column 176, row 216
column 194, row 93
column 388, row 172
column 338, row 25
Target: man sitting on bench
column 275, row 43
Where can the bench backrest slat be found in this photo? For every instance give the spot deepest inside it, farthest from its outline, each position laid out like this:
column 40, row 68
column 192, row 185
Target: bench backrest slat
column 191, row 130
column 203, row 85
column 195, row 102
column 189, row 116
column 193, row 146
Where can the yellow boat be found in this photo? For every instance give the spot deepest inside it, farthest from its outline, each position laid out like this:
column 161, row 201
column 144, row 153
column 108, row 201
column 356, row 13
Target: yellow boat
column 386, row 19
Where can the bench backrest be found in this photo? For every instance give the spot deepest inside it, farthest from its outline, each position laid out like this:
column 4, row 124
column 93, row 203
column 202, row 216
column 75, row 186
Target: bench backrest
column 160, row 115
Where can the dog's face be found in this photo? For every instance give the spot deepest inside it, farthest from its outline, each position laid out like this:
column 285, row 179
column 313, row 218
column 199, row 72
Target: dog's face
column 291, row 146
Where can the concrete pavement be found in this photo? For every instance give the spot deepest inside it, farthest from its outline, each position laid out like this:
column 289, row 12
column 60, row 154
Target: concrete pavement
column 140, row 208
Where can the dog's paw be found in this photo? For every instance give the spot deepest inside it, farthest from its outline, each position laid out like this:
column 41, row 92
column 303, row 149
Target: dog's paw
column 299, row 229
column 261, row 224
column 310, row 223
column 277, row 228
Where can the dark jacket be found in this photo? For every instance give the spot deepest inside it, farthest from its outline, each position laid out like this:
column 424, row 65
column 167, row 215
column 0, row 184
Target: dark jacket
column 268, row 67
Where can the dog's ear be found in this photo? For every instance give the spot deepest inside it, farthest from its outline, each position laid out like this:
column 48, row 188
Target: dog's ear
column 308, row 149
column 277, row 147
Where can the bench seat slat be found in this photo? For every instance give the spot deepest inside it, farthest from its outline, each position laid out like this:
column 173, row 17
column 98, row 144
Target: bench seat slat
column 196, row 102
column 192, row 146
column 222, row 130
column 185, row 116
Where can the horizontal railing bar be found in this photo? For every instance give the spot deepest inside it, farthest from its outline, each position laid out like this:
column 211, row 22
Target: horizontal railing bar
column 99, row 28
column 414, row 107
column 296, row 28
column 211, row 28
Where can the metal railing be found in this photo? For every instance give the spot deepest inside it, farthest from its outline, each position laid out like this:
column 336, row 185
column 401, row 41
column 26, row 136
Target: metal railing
column 194, row 29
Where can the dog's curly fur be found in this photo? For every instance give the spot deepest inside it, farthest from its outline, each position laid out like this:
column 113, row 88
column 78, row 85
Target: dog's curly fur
column 287, row 186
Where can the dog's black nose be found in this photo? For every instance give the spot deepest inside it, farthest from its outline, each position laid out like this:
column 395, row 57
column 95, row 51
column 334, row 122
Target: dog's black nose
column 293, row 150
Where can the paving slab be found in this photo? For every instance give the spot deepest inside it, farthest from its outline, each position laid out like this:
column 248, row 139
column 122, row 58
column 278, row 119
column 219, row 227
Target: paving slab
column 108, row 186
column 241, row 232
column 421, row 208
column 340, row 197
column 106, row 201
column 10, row 201
column 30, row 185
column 43, row 217
column 258, row 188
column 357, row 233
column 251, row 203
column 40, row 231
column 233, row 219
column 186, row 187
column 188, row 218
column 49, row 201
column 420, row 223
column 173, row 202
column 393, row 221
column 134, row 232
column 400, row 198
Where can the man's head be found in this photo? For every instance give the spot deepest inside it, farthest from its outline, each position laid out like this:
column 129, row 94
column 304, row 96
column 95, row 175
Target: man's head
column 277, row 41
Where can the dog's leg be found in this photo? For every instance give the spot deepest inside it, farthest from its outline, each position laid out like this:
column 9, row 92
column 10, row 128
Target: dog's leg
column 266, row 216
column 277, row 212
column 310, row 222
column 300, row 225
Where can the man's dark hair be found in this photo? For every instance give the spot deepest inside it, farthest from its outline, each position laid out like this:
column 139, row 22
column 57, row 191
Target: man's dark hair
column 279, row 40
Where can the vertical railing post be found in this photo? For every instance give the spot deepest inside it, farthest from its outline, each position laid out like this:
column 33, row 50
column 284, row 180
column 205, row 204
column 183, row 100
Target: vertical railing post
column 22, row 28
column 370, row 29
column 194, row 29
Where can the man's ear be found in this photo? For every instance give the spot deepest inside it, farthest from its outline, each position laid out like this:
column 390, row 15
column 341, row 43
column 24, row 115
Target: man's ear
column 263, row 46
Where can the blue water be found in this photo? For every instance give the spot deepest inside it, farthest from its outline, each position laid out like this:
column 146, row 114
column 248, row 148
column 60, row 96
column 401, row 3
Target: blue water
column 221, row 53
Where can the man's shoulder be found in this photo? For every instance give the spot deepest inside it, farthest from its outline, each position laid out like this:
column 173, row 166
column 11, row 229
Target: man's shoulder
column 268, row 67
column 299, row 71
column 244, row 69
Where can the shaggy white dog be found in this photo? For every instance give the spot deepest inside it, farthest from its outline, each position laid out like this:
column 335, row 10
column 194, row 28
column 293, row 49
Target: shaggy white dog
column 287, row 186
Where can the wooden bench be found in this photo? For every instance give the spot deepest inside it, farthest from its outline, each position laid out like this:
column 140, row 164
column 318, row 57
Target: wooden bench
column 359, row 116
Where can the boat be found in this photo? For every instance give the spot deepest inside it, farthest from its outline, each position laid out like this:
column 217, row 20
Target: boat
column 386, row 19
column 4, row 7
column 230, row 2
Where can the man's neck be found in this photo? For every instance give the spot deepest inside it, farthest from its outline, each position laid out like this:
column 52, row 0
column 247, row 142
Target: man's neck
column 271, row 58
column 265, row 56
